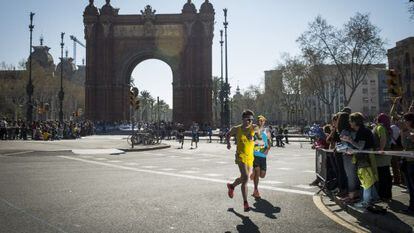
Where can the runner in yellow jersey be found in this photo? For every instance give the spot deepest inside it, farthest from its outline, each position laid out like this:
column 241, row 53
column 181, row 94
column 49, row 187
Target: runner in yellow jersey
column 244, row 134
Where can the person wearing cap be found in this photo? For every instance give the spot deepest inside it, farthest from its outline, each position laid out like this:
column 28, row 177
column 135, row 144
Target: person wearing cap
column 261, row 149
column 347, row 110
column 244, row 135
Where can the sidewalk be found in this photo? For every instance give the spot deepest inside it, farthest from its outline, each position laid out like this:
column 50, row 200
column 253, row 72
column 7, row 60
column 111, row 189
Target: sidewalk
column 395, row 220
column 101, row 142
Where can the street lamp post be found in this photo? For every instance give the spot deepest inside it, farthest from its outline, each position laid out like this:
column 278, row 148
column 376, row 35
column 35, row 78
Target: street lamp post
column 221, row 84
column 227, row 86
column 61, row 93
column 30, row 87
column 158, row 111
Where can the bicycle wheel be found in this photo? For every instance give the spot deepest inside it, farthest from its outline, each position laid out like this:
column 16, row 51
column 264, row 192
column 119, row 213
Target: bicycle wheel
column 136, row 139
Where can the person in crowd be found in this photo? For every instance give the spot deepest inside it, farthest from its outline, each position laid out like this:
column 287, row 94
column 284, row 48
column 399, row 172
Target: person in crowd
column 244, row 134
column 279, row 137
column 272, row 135
column 286, row 132
column 382, row 139
column 365, row 162
column 3, row 129
column 320, row 142
column 407, row 140
column 396, row 146
column 194, row 135
column 209, row 133
column 180, row 135
column 345, row 131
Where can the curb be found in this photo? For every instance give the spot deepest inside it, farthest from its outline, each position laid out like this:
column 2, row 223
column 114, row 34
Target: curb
column 160, row 147
column 386, row 222
column 334, row 215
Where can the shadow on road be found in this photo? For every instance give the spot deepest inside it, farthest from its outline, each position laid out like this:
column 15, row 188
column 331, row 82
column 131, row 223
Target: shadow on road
column 248, row 226
column 265, row 207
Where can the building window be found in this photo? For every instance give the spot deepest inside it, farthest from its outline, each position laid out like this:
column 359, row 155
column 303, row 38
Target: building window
column 365, row 100
column 365, row 109
column 364, row 90
column 364, row 82
column 372, row 81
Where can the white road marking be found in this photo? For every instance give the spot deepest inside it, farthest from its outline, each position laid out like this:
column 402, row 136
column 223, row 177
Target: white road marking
column 221, row 162
column 271, row 182
column 205, row 160
column 189, row 172
column 184, row 176
column 213, row 175
column 97, row 151
column 308, row 171
column 17, row 153
column 168, row 169
column 131, row 164
column 114, row 161
column 150, row 167
column 173, row 156
column 304, row 186
column 100, row 159
column 187, row 158
column 284, row 168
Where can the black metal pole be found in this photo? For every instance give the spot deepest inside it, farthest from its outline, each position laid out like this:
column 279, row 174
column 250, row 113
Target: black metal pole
column 30, row 87
column 61, row 93
column 158, row 111
column 227, row 86
column 221, row 84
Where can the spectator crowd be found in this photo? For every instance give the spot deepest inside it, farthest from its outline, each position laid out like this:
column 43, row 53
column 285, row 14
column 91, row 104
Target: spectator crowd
column 44, row 130
column 357, row 176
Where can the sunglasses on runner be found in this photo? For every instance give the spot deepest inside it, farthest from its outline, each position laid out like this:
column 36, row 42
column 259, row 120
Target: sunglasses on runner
column 249, row 119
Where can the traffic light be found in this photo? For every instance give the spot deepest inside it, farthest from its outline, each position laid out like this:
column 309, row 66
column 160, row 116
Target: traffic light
column 135, row 91
column 131, row 98
column 394, row 87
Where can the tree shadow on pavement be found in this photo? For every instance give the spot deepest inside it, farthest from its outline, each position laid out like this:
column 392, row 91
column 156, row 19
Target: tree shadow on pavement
column 248, row 226
column 265, row 207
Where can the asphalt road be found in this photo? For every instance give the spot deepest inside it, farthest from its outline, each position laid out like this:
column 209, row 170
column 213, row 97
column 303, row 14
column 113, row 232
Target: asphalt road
column 170, row 190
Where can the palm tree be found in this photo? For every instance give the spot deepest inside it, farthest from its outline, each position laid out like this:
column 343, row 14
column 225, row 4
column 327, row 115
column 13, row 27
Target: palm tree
column 145, row 100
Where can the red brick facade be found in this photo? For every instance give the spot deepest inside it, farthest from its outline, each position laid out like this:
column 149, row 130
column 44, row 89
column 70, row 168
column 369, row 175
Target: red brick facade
column 115, row 44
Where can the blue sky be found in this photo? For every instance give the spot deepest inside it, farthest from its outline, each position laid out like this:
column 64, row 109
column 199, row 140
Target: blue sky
column 259, row 31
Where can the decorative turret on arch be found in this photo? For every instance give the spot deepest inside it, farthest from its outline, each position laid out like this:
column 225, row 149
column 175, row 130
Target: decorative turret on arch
column 115, row 44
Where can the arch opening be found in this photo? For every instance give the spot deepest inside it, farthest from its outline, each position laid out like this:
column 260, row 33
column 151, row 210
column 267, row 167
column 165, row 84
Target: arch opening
column 153, row 77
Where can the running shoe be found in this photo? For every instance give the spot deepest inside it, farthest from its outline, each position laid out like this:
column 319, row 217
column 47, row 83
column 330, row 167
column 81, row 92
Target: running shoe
column 256, row 194
column 230, row 191
column 246, row 207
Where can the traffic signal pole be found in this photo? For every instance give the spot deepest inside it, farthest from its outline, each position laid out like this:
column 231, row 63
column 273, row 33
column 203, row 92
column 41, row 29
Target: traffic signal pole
column 134, row 103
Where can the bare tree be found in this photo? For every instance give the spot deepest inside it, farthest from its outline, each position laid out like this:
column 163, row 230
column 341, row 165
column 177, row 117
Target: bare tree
column 353, row 49
column 321, row 80
column 293, row 72
column 411, row 8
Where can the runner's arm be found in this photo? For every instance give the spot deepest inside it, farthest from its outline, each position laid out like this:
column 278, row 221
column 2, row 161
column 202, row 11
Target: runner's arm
column 231, row 132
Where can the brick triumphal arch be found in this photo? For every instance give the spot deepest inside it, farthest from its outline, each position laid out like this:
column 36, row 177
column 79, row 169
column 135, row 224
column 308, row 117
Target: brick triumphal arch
column 115, row 44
